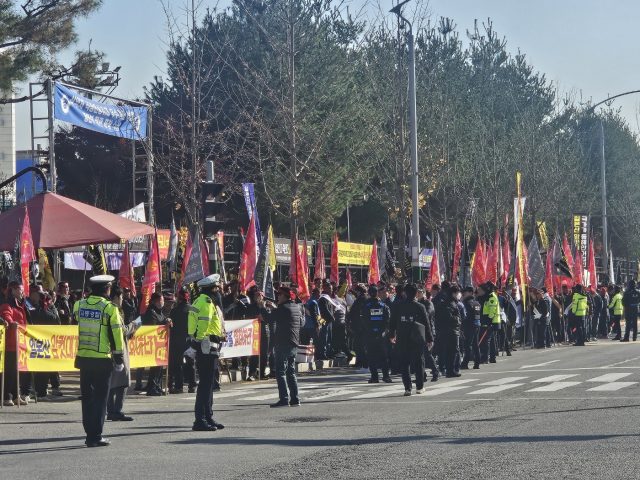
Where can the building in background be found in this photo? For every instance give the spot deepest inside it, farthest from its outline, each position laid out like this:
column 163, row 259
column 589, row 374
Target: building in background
column 7, row 150
column 29, row 183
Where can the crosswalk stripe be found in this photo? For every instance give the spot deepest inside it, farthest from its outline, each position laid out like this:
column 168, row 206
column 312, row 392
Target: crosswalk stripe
column 440, row 391
column 609, row 377
column 501, row 381
column 451, row 383
column 554, row 387
column 554, row 378
column 381, row 392
column 611, row 387
column 495, row 389
column 335, row 393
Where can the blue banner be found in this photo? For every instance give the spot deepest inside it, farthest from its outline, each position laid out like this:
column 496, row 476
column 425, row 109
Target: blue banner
column 118, row 120
column 425, row 258
column 250, row 200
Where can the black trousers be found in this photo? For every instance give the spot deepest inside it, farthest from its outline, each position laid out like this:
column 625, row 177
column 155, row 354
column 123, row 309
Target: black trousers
column 577, row 326
column 204, row 396
column 339, row 344
column 429, row 361
column 115, row 401
column 10, row 375
column 189, row 372
column 541, row 327
column 265, row 338
column 452, row 340
column 377, row 356
column 471, row 345
column 632, row 324
column 411, row 357
column 95, row 380
column 155, row 378
column 615, row 325
column 176, row 377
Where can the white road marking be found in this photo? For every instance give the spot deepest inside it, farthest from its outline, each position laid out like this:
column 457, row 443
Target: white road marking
column 335, row 393
column 501, row 381
column 611, row 387
column 555, row 386
column 554, row 378
column 382, row 392
column 496, row 389
column 609, row 377
column 440, row 391
column 451, row 383
column 539, row 364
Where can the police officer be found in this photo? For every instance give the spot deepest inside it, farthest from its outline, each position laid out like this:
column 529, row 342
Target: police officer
column 578, row 313
column 374, row 317
column 630, row 302
column 100, row 345
column 448, row 324
column 409, row 320
column 489, row 320
column 205, row 331
column 471, row 329
column 615, row 313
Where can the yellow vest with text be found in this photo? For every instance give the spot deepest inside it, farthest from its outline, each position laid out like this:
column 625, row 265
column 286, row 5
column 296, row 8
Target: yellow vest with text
column 491, row 308
column 616, row 304
column 99, row 328
column 579, row 305
column 204, row 319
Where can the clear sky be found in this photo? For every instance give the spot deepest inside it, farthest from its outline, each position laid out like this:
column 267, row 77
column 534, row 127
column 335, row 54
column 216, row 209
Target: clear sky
column 589, row 47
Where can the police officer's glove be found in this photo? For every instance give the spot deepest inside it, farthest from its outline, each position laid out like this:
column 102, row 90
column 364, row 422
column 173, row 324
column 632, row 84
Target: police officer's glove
column 215, row 339
column 118, row 358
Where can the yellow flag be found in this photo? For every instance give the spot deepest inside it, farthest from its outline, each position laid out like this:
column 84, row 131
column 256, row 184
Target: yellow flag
column 48, row 283
column 272, row 250
column 542, row 230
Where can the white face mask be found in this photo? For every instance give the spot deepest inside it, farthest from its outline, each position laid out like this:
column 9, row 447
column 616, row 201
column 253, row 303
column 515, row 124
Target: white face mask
column 458, row 296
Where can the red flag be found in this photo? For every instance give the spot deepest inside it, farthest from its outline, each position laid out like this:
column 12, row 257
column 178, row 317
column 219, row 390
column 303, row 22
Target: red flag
column 249, row 259
column 185, row 259
column 548, row 273
column 477, row 269
column 151, row 274
column 434, row 271
column 27, row 254
column 456, row 257
column 320, row 266
column 525, row 264
column 293, row 263
column 591, row 267
column 349, row 282
column 577, row 269
column 374, row 268
column 506, row 256
column 126, row 271
column 334, row 276
column 567, row 252
column 303, row 279
column 305, row 258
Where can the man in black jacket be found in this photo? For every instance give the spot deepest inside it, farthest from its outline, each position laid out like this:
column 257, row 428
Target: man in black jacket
column 374, row 316
column 178, row 342
column 43, row 315
column 63, row 304
column 630, row 301
column 411, row 338
column 324, row 350
column 471, row 329
column 129, row 309
column 288, row 319
column 429, row 361
column 355, row 326
column 448, row 324
column 154, row 316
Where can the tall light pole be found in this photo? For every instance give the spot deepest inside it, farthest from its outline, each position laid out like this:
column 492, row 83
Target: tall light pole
column 413, row 125
column 605, row 239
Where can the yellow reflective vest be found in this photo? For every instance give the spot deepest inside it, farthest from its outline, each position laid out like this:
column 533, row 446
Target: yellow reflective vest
column 99, row 328
column 616, row 304
column 204, row 318
column 579, row 305
column 491, row 308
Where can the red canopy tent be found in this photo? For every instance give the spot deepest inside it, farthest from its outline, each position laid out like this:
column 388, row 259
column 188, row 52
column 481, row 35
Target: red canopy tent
column 59, row 222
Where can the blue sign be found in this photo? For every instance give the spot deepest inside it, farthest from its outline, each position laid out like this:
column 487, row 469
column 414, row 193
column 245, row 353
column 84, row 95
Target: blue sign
column 118, row 120
column 425, row 258
column 250, row 200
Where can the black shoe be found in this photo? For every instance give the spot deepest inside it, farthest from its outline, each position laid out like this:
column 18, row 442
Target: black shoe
column 373, row 380
column 476, row 366
column 615, row 338
column 109, row 416
column 294, row 403
column 203, row 427
column 138, row 388
column 387, row 380
column 281, row 403
column 464, row 367
column 454, row 375
column 121, row 418
column 154, row 393
column 176, row 390
column 216, row 389
column 213, row 423
column 192, row 390
column 493, row 360
column 624, row 340
column 103, row 442
column 509, row 354
column 435, row 377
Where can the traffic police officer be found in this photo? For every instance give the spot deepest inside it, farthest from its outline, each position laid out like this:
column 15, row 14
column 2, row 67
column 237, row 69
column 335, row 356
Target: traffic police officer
column 630, row 302
column 489, row 319
column 578, row 313
column 205, row 331
column 375, row 319
column 100, row 346
column 615, row 310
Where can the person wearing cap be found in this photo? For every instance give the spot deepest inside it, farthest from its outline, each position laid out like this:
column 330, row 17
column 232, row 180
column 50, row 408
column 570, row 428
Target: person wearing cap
column 327, row 312
column 354, row 326
column 100, row 346
column 258, row 363
column 375, row 316
column 409, row 331
column 288, row 319
column 178, row 345
column 616, row 310
column 429, row 361
column 129, row 309
column 489, row 321
column 311, row 319
column 234, row 305
column 154, row 316
column 577, row 315
column 630, row 302
column 205, row 334
column 448, row 321
column 13, row 313
column 541, row 315
column 603, row 321
column 169, row 302
column 470, row 329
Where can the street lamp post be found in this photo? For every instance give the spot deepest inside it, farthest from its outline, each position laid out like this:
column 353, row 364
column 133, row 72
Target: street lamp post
column 415, row 238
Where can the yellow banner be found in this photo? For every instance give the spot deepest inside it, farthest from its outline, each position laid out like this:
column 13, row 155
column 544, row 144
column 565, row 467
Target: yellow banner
column 2, row 347
column 53, row 348
column 354, row 253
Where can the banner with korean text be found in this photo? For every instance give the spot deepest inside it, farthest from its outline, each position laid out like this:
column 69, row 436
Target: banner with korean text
column 243, row 339
column 47, row 348
column 354, row 253
column 3, row 342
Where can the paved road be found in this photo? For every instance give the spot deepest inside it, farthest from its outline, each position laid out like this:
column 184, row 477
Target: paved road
column 566, row 412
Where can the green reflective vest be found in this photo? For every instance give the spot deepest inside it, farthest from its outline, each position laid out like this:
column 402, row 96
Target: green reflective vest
column 616, row 304
column 99, row 328
column 579, row 305
column 491, row 308
column 204, row 318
